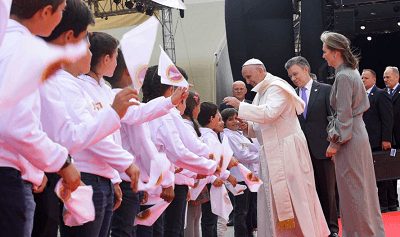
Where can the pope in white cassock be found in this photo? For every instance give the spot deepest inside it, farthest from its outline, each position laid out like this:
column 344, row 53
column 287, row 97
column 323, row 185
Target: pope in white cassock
column 288, row 204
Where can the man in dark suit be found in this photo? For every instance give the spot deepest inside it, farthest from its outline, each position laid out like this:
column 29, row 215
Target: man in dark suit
column 378, row 120
column 313, row 122
column 391, row 78
column 239, row 91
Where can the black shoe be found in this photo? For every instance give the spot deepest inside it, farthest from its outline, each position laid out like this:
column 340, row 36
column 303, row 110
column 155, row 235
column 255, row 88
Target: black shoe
column 230, row 223
column 384, row 209
column 393, row 208
column 334, row 235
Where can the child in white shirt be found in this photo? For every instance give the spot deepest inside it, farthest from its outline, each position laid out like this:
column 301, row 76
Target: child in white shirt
column 247, row 154
column 101, row 162
column 167, row 139
column 22, row 140
column 210, row 120
column 194, row 207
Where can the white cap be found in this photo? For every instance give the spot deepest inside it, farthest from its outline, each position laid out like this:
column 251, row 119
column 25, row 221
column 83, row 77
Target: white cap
column 253, row 61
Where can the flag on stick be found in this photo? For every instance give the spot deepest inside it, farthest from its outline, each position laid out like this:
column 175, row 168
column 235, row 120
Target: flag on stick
column 137, row 46
column 251, row 179
column 226, row 155
column 169, row 73
column 150, row 215
column 237, row 190
column 78, row 205
column 220, row 203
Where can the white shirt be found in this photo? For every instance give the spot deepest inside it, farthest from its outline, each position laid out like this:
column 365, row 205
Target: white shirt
column 21, row 134
column 370, row 89
column 210, row 138
column 166, row 137
column 5, row 6
column 83, row 103
column 60, row 127
column 394, row 88
column 191, row 142
column 136, row 139
column 308, row 90
column 243, row 150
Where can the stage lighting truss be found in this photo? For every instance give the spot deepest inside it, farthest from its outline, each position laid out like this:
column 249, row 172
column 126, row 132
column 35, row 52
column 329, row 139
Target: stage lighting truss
column 106, row 8
column 296, row 26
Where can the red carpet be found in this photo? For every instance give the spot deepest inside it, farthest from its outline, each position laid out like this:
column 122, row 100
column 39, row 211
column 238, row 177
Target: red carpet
column 391, row 221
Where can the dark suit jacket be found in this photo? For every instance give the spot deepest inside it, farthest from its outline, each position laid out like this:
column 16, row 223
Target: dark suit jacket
column 223, row 106
column 314, row 126
column 378, row 118
column 396, row 115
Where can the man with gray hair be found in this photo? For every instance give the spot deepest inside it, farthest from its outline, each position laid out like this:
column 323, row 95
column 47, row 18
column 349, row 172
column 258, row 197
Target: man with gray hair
column 239, row 91
column 313, row 122
column 288, row 193
column 391, row 78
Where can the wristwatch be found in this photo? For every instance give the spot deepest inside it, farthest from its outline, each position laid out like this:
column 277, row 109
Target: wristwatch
column 67, row 162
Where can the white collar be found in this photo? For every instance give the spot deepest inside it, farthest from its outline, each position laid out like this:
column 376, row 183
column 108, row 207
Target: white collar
column 309, row 84
column 205, row 130
column 370, row 89
column 92, row 80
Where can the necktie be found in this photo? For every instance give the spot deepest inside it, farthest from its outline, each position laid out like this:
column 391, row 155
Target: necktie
column 304, row 97
column 390, row 92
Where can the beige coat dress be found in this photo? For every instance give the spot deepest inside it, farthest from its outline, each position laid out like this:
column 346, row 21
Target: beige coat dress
column 288, row 195
column 355, row 175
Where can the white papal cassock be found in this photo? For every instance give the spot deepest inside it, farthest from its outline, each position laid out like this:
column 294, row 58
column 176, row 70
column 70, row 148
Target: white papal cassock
column 288, row 194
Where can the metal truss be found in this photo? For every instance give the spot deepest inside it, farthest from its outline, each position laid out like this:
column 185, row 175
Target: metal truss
column 106, row 8
column 296, row 26
column 168, row 33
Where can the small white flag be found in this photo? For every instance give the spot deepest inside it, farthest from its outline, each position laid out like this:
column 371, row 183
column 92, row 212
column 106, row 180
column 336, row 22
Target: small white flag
column 226, row 155
column 137, row 46
column 237, row 190
column 33, row 62
column 251, row 179
column 5, row 6
column 158, row 172
column 169, row 73
column 150, row 215
column 199, row 185
column 178, row 4
column 220, row 202
column 78, row 205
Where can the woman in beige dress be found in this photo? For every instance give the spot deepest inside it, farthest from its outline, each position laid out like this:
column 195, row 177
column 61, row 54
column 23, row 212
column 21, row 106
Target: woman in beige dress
column 349, row 145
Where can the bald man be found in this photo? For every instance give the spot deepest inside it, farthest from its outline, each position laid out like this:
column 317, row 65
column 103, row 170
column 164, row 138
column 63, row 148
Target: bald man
column 239, row 91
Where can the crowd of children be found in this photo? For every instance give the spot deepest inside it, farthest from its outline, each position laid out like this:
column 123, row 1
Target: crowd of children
column 77, row 128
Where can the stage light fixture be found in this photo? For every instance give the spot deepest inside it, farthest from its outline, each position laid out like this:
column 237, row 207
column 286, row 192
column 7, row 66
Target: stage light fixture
column 149, row 11
column 398, row 23
column 129, row 4
column 369, row 38
column 362, row 27
column 396, row 8
column 139, row 7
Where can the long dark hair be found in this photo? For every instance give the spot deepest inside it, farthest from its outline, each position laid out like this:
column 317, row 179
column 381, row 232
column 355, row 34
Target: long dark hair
column 191, row 102
column 101, row 44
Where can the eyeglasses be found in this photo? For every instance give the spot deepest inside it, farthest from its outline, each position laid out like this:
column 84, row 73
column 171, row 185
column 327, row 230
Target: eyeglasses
column 239, row 89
